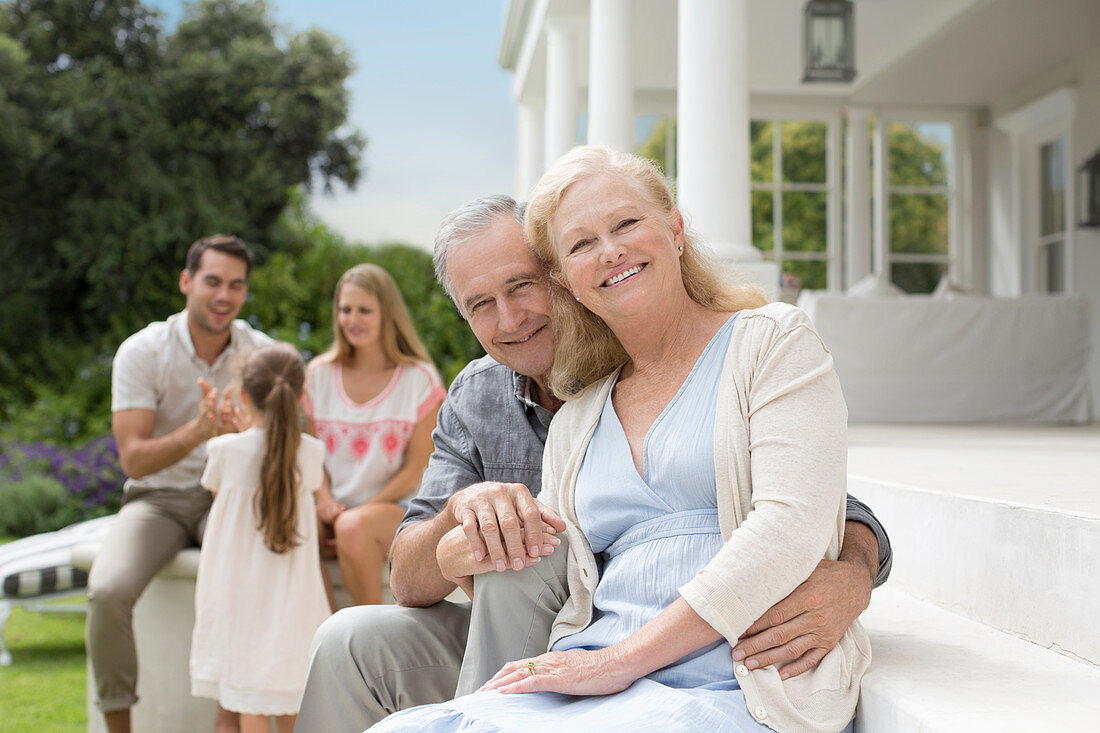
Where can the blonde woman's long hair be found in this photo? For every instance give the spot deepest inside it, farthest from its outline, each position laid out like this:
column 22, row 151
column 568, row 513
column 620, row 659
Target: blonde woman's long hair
column 400, row 341
column 273, row 377
column 586, row 349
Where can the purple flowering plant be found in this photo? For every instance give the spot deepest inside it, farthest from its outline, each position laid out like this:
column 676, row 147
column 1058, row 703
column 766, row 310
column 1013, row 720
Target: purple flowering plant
column 90, row 473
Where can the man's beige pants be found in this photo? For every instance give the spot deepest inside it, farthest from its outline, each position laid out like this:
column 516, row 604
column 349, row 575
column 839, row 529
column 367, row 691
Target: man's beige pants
column 370, row 661
column 152, row 526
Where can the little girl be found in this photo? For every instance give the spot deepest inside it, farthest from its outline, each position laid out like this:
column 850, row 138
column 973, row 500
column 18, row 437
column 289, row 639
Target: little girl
column 260, row 596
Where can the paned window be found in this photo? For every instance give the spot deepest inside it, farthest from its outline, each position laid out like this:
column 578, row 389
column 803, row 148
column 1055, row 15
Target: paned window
column 920, row 200
column 792, row 195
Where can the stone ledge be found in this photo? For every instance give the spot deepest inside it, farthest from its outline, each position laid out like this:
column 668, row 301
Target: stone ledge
column 935, row 672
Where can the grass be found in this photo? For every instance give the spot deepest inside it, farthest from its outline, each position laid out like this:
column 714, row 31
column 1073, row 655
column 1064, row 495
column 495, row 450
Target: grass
column 43, row 689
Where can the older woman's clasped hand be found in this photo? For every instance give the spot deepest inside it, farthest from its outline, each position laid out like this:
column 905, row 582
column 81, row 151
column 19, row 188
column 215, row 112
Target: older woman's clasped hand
column 573, row 672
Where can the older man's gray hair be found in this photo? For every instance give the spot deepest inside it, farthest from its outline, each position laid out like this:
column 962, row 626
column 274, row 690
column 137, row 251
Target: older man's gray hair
column 466, row 221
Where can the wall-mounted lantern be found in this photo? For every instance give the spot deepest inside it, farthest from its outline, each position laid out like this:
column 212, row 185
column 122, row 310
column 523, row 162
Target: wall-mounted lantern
column 1088, row 192
column 828, row 41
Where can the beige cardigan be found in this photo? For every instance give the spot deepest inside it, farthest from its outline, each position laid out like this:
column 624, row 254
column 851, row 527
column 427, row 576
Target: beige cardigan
column 780, row 448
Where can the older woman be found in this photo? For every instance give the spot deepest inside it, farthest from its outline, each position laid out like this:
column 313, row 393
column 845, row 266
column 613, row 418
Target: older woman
column 699, row 464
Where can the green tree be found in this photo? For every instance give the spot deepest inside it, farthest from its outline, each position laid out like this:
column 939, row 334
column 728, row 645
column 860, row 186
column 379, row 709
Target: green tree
column 918, row 221
column 120, row 145
column 655, row 146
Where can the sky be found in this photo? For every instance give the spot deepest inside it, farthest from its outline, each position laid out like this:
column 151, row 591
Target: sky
column 429, row 96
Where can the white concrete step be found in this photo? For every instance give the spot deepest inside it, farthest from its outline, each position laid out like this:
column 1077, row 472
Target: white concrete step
column 935, row 672
column 1000, row 525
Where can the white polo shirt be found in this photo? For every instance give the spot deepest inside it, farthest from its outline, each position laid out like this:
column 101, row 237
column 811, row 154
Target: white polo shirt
column 157, row 369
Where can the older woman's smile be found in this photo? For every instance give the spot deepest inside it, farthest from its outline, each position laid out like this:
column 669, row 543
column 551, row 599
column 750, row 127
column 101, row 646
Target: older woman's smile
column 623, row 275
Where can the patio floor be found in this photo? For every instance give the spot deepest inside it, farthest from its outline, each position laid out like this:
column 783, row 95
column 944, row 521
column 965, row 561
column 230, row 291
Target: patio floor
column 1042, row 467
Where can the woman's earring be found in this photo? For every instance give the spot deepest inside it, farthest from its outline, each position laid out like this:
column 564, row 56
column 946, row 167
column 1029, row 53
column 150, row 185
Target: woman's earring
column 578, row 298
column 680, row 248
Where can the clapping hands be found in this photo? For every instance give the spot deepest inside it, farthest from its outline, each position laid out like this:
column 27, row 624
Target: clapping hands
column 218, row 417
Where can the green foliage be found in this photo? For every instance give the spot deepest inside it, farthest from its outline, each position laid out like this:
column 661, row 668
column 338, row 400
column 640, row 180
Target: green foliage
column 291, row 296
column 918, row 221
column 37, row 504
column 89, row 477
column 803, row 145
column 804, row 212
column 70, row 396
column 914, row 160
column 120, row 145
column 656, row 145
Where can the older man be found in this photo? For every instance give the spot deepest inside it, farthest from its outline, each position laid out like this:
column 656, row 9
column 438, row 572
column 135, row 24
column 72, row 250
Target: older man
column 476, row 497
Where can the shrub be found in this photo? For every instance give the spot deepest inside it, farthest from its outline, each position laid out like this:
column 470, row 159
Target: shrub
column 71, row 400
column 67, row 484
column 36, row 504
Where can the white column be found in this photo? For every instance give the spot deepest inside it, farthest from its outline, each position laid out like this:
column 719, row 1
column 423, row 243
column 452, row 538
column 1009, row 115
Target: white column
column 713, row 131
column 529, row 144
column 561, row 92
column 881, row 163
column 858, row 195
column 834, row 220
column 610, row 82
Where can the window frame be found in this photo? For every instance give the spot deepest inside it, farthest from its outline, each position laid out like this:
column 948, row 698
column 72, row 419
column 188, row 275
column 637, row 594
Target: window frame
column 830, row 117
column 959, row 258
column 1029, row 127
column 1045, row 243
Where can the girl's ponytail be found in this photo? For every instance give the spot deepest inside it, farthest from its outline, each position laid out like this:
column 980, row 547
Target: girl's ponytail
column 273, row 377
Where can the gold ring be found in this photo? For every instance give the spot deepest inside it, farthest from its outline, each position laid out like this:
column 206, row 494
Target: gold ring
column 531, row 666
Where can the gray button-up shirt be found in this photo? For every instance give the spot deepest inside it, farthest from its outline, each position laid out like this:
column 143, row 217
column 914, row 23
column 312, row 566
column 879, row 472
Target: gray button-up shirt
column 490, row 429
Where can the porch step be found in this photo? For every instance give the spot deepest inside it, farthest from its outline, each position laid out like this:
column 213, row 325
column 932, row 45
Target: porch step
column 999, row 525
column 935, row 672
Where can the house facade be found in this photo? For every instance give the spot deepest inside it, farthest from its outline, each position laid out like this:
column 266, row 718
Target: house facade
column 951, row 157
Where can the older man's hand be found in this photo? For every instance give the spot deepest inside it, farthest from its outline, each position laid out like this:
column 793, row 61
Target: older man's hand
column 802, row 628
column 503, row 523
column 805, row 626
column 456, row 561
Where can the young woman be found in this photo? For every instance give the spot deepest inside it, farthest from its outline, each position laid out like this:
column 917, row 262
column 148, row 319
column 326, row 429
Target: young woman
column 372, row 399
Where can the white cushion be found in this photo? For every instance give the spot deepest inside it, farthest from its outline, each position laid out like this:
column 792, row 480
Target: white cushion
column 947, row 289
column 42, row 564
column 875, row 286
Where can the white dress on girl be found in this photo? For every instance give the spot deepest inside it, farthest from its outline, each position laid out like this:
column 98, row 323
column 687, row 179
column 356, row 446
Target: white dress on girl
column 366, row 441
column 255, row 610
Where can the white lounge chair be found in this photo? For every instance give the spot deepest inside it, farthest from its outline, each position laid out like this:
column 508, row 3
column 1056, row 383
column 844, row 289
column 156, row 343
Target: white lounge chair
column 38, row 569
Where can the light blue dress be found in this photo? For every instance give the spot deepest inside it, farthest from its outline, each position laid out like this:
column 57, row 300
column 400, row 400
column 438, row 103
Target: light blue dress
column 651, row 535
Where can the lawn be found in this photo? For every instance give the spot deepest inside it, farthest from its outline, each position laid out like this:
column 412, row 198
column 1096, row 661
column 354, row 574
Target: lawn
column 43, row 689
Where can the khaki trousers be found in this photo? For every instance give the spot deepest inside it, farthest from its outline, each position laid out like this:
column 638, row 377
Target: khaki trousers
column 370, row 661
column 152, row 526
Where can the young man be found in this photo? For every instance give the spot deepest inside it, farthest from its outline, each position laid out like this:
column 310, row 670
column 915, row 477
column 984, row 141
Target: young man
column 476, row 497
column 164, row 400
